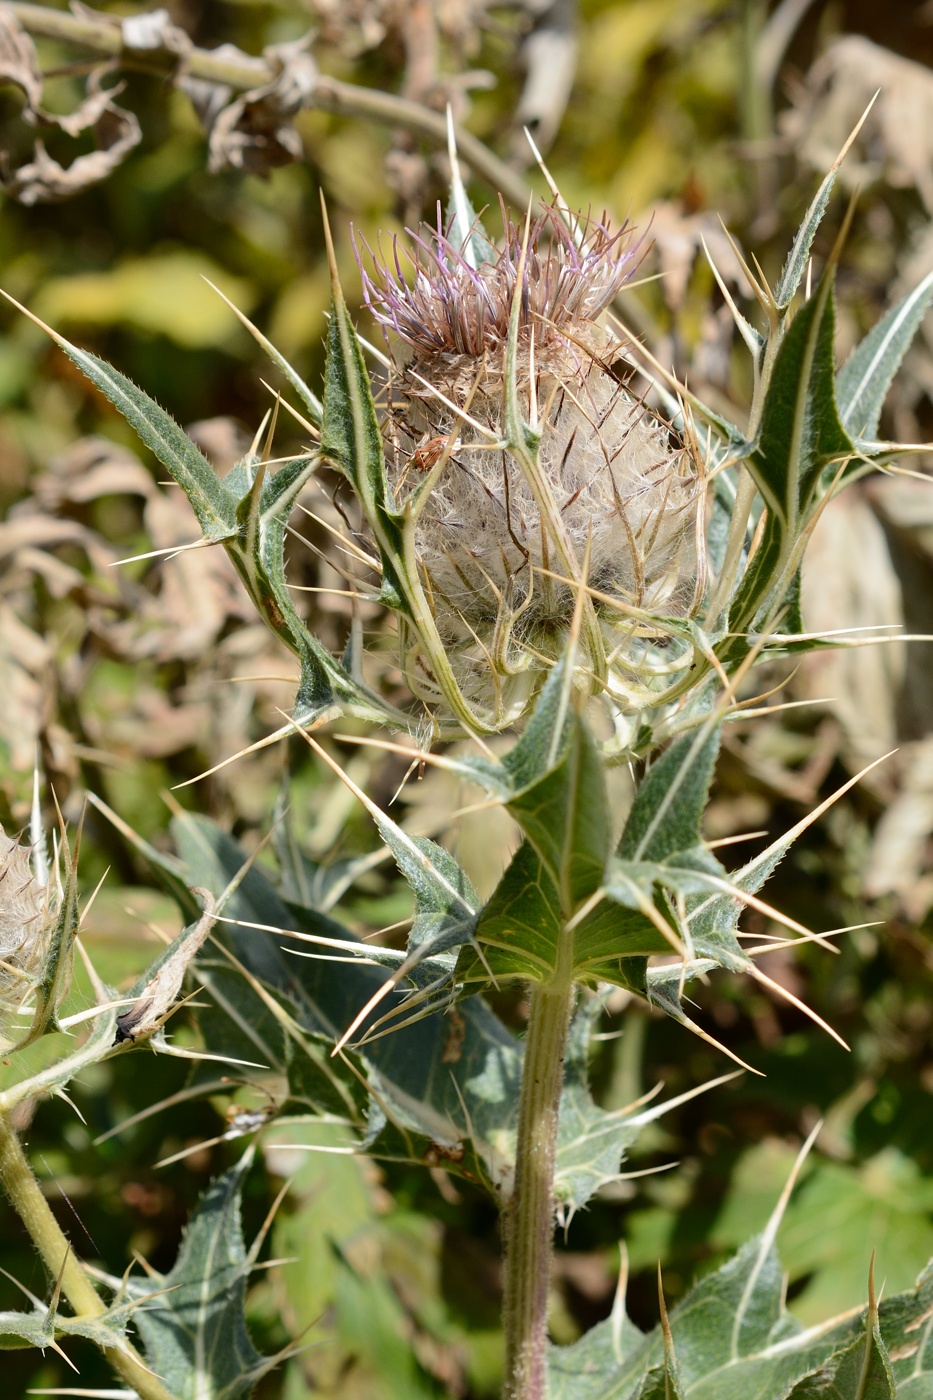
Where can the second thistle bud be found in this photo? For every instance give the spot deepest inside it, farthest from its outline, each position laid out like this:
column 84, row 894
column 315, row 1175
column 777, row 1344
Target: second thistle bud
column 587, row 472
column 27, row 922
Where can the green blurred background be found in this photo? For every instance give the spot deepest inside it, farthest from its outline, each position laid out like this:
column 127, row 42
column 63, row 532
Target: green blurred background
column 130, row 679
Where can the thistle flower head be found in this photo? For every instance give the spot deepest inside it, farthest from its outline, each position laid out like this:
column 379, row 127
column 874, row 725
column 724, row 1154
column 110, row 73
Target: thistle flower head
column 27, row 921
column 515, row 443
column 448, row 305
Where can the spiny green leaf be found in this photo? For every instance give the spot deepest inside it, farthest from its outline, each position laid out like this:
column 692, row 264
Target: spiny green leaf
column 796, row 264
column 553, row 783
column 211, row 502
column 591, row 1143
column 907, row 1329
column 863, row 382
column 613, row 944
column 352, row 442
column 565, row 814
column 60, row 1073
column 800, row 427
column 801, row 434
column 195, row 1332
column 448, row 1078
column 733, row 1338
column 446, row 901
column 860, row 1371
column 258, row 553
column 464, row 227
column 661, row 1383
column 543, row 739
column 691, row 872
column 668, row 807
column 22, row 1329
column 519, row 927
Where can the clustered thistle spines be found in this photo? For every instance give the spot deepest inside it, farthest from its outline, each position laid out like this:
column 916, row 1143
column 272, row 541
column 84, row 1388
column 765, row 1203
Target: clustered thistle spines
column 450, row 307
column 512, row 441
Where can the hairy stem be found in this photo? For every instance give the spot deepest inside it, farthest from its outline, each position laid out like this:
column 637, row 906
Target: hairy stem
column 20, row 1185
column 530, row 1227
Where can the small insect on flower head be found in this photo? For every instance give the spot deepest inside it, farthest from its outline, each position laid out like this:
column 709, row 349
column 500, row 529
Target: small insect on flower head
column 507, row 385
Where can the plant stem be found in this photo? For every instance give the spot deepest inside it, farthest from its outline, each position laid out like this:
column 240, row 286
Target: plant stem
column 20, row 1185
column 530, row 1237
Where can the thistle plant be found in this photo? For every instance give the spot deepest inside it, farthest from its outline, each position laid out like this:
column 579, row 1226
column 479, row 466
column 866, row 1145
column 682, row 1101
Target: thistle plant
column 579, row 558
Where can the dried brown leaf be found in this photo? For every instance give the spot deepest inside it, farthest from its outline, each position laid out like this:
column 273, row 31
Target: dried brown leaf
column 18, row 61
column 899, row 859
column 849, row 580
column 152, row 1006
column 255, row 131
column 44, row 181
column 896, row 145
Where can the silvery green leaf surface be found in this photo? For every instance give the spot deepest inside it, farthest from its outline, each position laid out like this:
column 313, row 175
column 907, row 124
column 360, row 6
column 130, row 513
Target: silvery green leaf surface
column 446, row 1079
column 800, row 426
column 22, row 1329
column 41, row 1327
column 195, row 1332
column 446, row 902
column 565, row 815
column 660, row 1384
column 865, row 378
column 553, row 784
column 542, row 740
column 668, row 807
column 907, row 1329
column 424, row 1072
column 464, row 227
column 95, row 1047
column 660, row 855
column 859, row 1371
column 732, row 1335
column 796, row 263
column 519, row 927
column 693, row 871
column 734, row 1339
column 591, row 1143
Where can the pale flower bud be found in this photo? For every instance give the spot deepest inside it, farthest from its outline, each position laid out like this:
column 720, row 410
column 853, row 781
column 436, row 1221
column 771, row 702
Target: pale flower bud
column 27, row 922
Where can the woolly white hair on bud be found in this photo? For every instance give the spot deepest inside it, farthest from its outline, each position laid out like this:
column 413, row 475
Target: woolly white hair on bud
column 624, row 488
column 27, row 918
